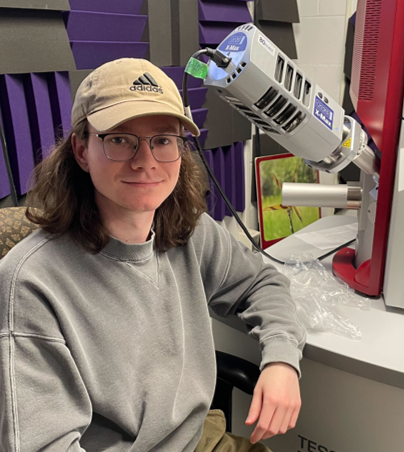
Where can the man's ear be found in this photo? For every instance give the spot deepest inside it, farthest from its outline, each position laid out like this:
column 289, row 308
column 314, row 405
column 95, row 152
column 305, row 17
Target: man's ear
column 80, row 152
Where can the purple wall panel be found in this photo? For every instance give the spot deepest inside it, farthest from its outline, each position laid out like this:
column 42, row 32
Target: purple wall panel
column 115, row 6
column 214, row 32
column 91, row 26
column 239, row 176
column 89, row 55
column 40, row 112
column 61, row 103
column 177, row 73
column 230, row 176
column 65, row 100
column 219, row 172
column 224, row 12
column 202, row 137
column 17, row 127
column 211, row 197
column 199, row 116
column 4, row 182
column 196, row 96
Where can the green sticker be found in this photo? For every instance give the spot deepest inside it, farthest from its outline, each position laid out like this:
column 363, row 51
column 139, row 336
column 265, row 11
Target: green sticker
column 197, row 68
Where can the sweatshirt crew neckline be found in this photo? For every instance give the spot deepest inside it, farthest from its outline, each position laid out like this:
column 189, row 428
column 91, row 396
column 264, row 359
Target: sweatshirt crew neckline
column 134, row 252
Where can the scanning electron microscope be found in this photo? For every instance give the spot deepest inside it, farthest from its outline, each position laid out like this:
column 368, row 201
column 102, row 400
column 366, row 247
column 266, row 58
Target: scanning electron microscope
column 272, row 92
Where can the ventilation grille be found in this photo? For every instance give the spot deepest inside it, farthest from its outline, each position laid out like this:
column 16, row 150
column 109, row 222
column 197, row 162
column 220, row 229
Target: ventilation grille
column 279, row 68
column 289, row 77
column 297, row 91
column 276, row 107
column 254, row 118
column 245, row 27
column 365, row 49
column 236, row 72
column 306, row 93
column 293, row 123
column 280, row 110
column 267, row 98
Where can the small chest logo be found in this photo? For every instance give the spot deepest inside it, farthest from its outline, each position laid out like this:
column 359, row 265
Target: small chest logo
column 146, row 83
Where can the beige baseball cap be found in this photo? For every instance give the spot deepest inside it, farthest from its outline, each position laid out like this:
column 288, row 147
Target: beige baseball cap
column 124, row 89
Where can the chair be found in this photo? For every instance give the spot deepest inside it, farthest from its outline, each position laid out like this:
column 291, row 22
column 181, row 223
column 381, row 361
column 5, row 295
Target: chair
column 14, row 226
column 232, row 371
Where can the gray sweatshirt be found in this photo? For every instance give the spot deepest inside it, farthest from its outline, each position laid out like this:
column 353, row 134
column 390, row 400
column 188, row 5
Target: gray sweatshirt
column 114, row 351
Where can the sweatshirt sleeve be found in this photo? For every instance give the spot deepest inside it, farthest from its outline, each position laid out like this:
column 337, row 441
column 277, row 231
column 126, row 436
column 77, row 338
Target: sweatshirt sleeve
column 44, row 404
column 238, row 281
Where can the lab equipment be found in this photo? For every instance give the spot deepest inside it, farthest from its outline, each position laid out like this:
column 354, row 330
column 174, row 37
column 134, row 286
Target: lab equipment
column 272, row 92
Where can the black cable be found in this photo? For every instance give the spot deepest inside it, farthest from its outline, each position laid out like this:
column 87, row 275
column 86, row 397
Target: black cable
column 13, row 191
column 205, row 162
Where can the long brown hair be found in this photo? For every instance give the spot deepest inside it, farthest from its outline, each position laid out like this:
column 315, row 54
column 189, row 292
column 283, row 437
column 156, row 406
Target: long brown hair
column 64, row 194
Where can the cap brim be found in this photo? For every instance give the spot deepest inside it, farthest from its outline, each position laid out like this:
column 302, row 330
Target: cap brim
column 110, row 117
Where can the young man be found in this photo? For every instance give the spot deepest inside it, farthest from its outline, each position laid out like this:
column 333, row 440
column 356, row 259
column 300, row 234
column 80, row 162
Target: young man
column 105, row 336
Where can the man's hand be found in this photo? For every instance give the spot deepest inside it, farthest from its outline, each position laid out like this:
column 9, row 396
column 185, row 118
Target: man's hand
column 276, row 401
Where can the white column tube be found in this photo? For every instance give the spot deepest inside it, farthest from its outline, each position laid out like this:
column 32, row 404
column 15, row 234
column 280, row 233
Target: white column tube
column 318, row 195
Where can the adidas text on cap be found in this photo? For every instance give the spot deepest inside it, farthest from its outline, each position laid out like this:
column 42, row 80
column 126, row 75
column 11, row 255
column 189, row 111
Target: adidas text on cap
column 125, row 89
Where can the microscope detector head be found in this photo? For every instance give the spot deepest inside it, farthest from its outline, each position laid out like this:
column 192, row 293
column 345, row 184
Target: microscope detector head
column 267, row 88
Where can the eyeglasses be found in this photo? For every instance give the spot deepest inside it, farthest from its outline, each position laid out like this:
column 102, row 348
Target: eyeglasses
column 121, row 147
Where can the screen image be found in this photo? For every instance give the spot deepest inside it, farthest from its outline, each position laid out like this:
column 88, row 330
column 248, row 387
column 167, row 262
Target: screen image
column 278, row 221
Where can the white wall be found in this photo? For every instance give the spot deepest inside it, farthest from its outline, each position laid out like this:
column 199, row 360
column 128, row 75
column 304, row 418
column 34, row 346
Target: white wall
column 320, row 41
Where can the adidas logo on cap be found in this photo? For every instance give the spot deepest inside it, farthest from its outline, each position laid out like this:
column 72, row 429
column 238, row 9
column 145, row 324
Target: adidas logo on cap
column 146, row 83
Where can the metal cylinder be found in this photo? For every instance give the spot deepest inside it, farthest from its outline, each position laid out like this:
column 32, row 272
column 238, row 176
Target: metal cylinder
column 368, row 162
column 318, row 195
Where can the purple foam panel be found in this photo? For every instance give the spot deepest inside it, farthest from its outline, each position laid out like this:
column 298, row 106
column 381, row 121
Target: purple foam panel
column 230, row 176
column 4, row 182
column 196, row 97
column 65, row 100
column 239, row 202
column 211, row 197
column 220, row 11
column 177, row 74
column 61, row 103
column 116, row 6
column 219, row 172
column 40, row 112
column 18, row 132
column 90, row 55
column 199, row 116
column 202, row 138
column 214, row 32
column 91, row 26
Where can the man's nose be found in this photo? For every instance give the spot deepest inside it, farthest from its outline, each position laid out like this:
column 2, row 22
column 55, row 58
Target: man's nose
column 143, row 156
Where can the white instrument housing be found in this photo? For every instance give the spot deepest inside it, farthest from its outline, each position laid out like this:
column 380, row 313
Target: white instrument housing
column 266, row 87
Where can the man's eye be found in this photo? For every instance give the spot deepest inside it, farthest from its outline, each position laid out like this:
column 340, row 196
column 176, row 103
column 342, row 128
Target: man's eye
column 118, row 140
column 163, row 141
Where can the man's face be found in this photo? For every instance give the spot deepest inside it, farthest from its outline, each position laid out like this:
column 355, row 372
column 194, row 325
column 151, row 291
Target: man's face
column 140, row 184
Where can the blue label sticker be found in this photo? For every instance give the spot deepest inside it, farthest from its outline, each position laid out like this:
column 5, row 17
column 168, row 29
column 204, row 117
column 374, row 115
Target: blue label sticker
column 323, row 113
column 234, row 43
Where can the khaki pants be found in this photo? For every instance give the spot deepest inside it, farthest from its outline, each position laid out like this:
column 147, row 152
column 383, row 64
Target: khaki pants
column 216, row 439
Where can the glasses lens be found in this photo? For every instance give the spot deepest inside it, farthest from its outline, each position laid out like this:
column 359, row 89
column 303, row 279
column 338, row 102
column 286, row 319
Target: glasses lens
column 120, row 146
column 167, row 148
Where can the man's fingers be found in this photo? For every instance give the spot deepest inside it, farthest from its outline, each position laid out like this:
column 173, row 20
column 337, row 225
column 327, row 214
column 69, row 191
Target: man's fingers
column 294, row 416
column 288, row 422
column 255, row 408
column 276, row 423
column 267, row 413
